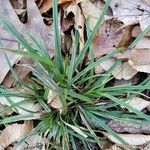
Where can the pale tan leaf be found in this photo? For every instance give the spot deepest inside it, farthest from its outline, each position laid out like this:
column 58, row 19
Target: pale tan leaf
column 128, row 72
column 79, row 19
column 143, row 43
column 29, row 106
column 14, row 132
column 138, row 59
column 54, row 100
column 32, row 142
column 138, row 103
column 132, row 12
column 108, row 37
column 34, row 25
column 132, row 139
column 90, row 10
column 122, row 71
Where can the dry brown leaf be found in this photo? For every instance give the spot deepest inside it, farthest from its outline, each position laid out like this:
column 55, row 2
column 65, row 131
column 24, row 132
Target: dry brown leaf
column 20, row 70
column 132, row 139
column 90, row 10
column 78, row 18
column 130, row 127
column 9, row 42
column 107, row 38
column 45, row 5
column 29, row 106
column 138, row 103
column 138, row 56
column 14, row 132
column 32, row 142
column 132, row 12
column 122, row 71
column 126, row 38
column 54, row 100
column 114, row 147
column 143, row 43
column 4, row 67
column 136, row 31
column 138, row 59
column 35, row 25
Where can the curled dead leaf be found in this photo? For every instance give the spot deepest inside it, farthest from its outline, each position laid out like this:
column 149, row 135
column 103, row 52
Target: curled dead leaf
column 14, row 132
column 78, row 19
column 54, row 100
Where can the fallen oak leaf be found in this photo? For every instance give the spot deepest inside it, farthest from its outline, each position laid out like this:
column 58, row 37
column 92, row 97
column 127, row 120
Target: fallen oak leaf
column 45, row 5
column 78, row 20
column 23, row 107
column 32, row 142
column 21, row 71
column 34, row 25
column 14, row 132
column 122, row 71
column 108, row 37
column 137, row 58
column 132, row 139
column 132, row 12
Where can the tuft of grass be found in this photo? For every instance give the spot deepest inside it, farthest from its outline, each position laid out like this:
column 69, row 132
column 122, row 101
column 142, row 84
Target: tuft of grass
column 80, row 91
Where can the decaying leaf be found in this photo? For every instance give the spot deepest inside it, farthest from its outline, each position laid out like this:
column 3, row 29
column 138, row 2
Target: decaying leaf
column 132, row 139
column 132, row 11
column 6, row 40
column 13, row 133
column 20, row 70
column 108, row 37
column 25, row 108
column 122, row 70
column 32, row 142
column 35, row 25
column 54, row 100
column 45, row 5
column 138, row 103
column 130, row 127
column 138, row 59
column 78, row 19
column 90, row 10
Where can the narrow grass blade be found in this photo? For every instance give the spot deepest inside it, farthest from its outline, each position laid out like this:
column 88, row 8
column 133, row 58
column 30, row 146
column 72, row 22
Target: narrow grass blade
column 93, row 118
column 92, row 65
column 58, row 55
column 121, row 102
column 73, row 57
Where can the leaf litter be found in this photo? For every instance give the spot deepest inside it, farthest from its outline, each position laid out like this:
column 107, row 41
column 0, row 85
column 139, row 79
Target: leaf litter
column 119, row 29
